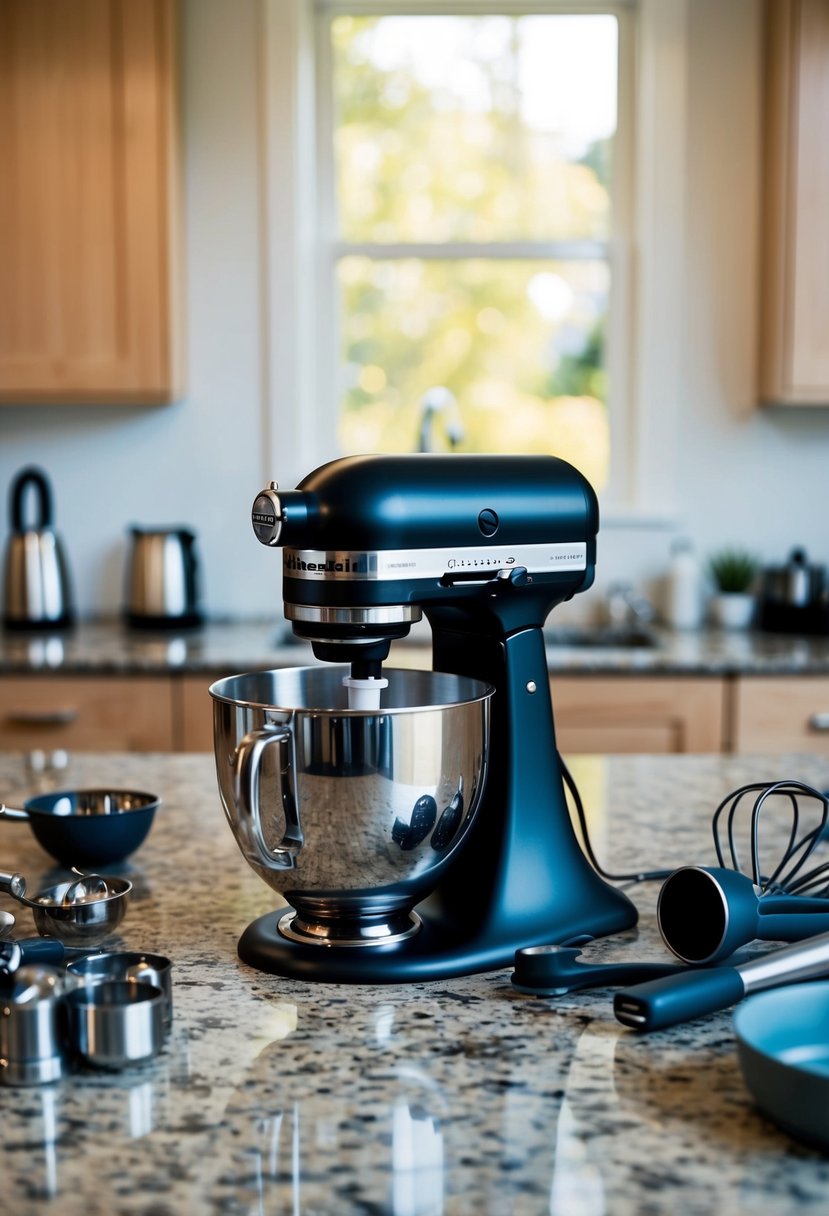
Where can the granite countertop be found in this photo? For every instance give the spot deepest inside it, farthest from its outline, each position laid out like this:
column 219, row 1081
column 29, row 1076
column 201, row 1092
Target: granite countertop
column 224, row 647
column 435, row 1099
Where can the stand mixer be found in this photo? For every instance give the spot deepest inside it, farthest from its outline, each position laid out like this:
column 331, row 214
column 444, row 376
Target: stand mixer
column 484, row 547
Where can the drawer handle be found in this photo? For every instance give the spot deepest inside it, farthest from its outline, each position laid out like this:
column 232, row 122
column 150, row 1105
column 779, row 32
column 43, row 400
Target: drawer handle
column 42, row 717
column 819, row 721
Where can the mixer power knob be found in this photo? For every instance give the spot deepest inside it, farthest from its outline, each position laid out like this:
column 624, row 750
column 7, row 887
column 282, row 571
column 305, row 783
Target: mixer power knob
column 266, row 516
column 272, row 512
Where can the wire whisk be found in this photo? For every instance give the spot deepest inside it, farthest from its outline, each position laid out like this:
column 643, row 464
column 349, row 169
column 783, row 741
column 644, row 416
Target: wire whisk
column 789, row 875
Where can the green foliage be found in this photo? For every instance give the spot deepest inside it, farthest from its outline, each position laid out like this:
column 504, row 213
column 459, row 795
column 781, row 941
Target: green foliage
column 414, row 164
column 733, row 570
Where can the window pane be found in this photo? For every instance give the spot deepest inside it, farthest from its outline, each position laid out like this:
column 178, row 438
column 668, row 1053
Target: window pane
column 474, row 128
column 518, row 344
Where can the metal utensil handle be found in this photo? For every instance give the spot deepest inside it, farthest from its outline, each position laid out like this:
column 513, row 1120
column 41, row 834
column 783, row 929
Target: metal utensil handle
column 248, row 762
column 12, row 814
column 805, row 960
column 15, row 884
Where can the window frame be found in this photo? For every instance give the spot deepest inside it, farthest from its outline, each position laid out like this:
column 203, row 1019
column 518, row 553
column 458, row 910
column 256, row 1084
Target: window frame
column 647, row 308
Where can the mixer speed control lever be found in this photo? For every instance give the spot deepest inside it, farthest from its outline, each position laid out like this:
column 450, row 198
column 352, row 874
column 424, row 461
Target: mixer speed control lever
column 517, row 575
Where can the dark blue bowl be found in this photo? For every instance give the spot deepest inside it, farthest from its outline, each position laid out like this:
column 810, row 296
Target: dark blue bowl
column 89, row 827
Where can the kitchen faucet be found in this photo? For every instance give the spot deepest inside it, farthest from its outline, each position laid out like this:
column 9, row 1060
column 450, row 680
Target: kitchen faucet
column 626, row 606
column 434, row 402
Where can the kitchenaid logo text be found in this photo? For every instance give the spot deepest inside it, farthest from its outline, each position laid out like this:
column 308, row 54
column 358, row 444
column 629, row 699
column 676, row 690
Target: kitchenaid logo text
column 430, row 563
column 360, row 565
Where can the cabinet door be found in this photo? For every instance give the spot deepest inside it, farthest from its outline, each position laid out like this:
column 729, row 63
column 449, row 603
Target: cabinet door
column 648, row 715
column 194, row 714
column 73, row 712
column 88, row 210
column 794, row 352
column 774, row 714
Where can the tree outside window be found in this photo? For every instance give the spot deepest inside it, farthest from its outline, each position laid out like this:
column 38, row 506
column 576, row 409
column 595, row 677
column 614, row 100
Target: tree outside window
column 473, row 172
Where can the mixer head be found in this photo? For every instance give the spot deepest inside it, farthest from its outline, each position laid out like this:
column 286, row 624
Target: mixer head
column 371, row 542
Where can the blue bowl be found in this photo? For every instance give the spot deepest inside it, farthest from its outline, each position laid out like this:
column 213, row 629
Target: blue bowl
column 89, row 827
column 783, row 1049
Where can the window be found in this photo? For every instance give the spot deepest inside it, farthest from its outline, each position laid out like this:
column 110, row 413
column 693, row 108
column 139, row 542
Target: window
column 478, row 223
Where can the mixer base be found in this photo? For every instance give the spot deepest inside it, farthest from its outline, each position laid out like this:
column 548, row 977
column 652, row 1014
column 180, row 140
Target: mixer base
column 436, row 952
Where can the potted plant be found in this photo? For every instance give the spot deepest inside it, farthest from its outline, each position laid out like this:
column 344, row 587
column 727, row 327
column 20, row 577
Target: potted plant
column 733, row 572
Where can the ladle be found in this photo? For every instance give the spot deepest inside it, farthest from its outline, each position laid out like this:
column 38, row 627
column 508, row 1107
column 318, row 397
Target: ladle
column 79, row 912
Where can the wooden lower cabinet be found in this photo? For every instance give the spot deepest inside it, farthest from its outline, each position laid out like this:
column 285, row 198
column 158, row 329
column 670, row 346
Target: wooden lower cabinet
column 593, row 714
column 106, row 713
column 608, row 714
column 194, row 714
column 652, row 714
column 99, row 713
column 774, row 714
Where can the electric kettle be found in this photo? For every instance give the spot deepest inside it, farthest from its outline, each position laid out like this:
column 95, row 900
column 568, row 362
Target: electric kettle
column 162, row 579
column 37, row 590
column 795, row 598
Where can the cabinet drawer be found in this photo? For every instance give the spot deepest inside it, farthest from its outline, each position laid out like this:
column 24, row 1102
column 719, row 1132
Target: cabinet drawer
column 780, row 714
column 625, row 714
column 86, row 714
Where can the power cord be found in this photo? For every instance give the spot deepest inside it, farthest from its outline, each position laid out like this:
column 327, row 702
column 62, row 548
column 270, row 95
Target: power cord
column 797, row 851
column 637, row 876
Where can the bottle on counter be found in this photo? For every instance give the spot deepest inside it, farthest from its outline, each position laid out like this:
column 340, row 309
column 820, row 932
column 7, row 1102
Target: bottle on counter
column 684, row 590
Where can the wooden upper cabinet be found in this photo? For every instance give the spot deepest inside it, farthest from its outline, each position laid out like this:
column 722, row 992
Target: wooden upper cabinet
column 89, row 282
column 794, row 338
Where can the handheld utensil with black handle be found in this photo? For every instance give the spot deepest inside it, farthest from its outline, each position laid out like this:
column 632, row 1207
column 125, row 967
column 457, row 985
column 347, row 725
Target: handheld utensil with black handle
column 679, row 998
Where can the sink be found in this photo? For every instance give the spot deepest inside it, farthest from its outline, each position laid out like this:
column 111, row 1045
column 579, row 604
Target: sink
column 605, row 637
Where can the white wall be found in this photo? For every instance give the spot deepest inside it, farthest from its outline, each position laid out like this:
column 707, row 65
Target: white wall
column 199, row 461
column 741, row 475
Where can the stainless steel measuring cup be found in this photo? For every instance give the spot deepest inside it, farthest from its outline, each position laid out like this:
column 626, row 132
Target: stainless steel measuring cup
column 32, row 1021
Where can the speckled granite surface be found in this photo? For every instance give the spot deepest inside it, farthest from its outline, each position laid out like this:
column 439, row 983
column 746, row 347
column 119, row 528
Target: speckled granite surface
column 109, row 647
column 282, row 1097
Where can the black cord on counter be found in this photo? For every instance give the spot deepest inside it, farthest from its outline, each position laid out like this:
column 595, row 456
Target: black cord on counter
column 639, row 875
column 796, row 853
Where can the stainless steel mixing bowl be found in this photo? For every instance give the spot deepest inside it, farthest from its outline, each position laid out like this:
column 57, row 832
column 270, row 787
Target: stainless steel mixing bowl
column 352, row 815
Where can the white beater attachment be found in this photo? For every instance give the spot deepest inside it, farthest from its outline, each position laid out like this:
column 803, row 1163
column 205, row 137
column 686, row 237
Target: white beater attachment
column 364, row 693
